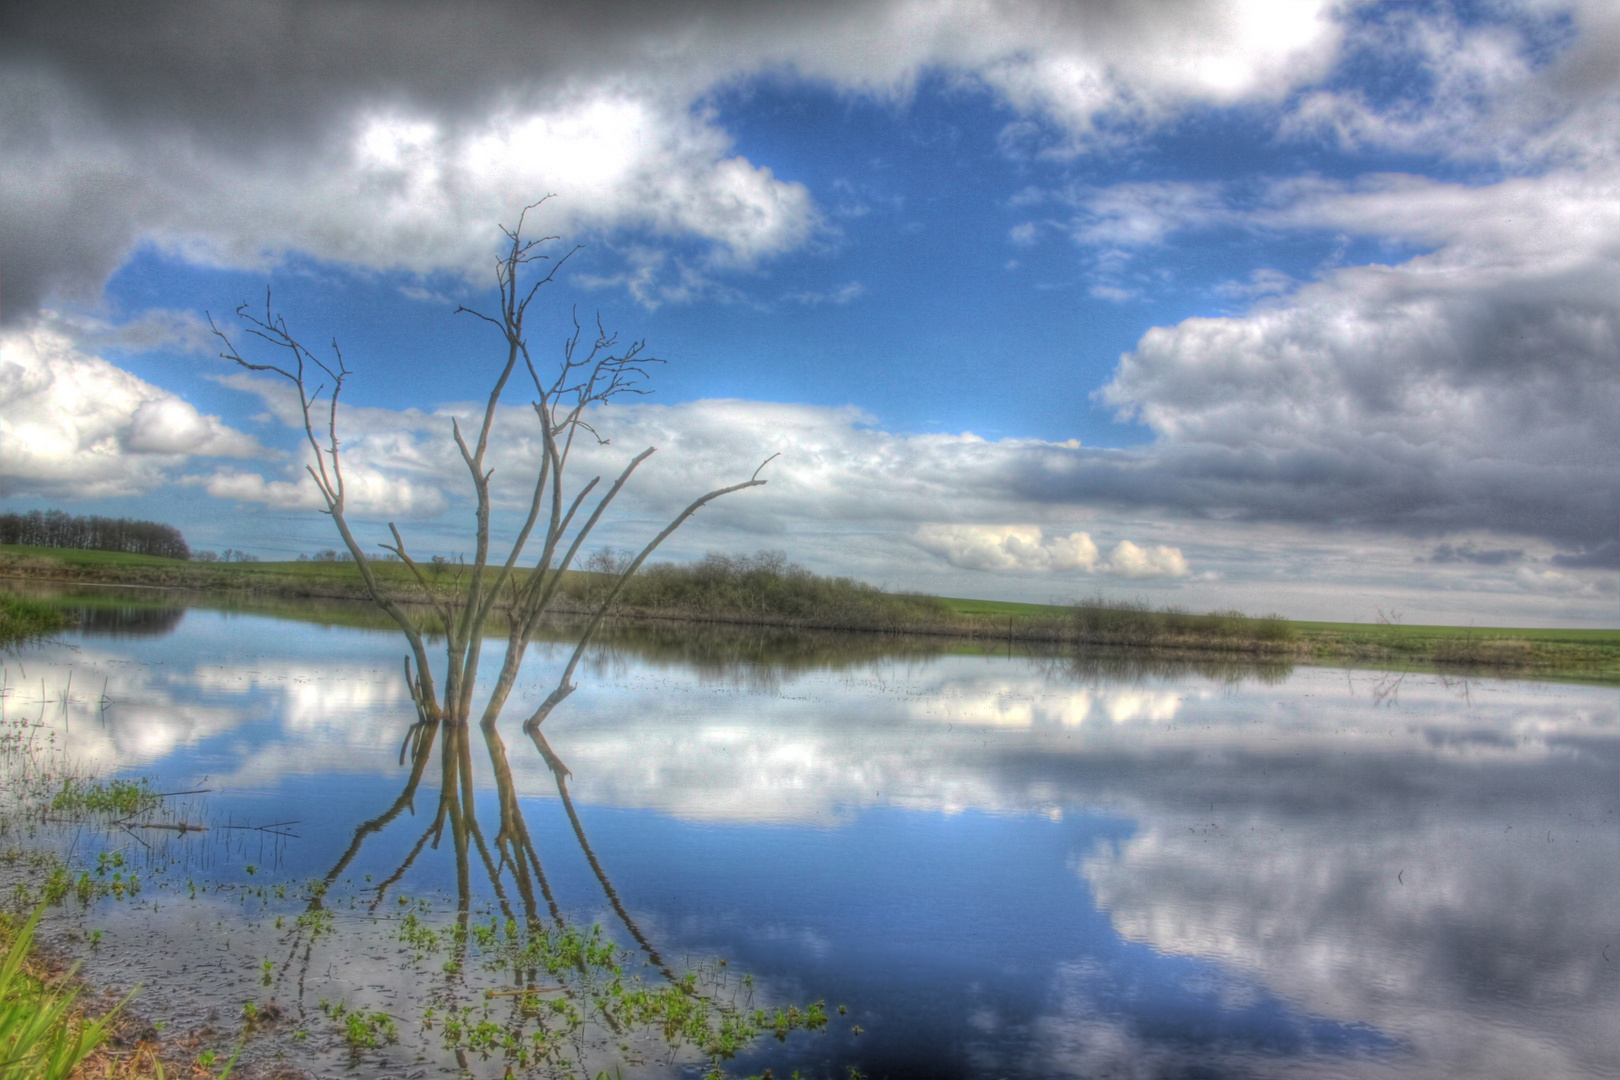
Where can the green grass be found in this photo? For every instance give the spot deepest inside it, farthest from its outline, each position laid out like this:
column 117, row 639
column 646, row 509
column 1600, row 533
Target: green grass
column 41, row 1034
column 80, row 557
column 22, row 619
column 1003, row 608
column 1389, row 631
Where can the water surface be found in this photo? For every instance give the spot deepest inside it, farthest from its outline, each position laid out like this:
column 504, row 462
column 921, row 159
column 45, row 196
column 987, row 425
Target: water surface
column 999, row 865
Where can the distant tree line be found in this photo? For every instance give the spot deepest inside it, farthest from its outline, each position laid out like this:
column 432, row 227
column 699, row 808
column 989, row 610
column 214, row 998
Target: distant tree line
column 228, row 555
column 59, row 529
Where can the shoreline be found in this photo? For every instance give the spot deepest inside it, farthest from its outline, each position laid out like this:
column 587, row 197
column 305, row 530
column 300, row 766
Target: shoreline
column 1585, row 656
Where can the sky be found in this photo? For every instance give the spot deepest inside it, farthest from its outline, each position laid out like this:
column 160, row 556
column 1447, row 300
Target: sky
column 1283, row 306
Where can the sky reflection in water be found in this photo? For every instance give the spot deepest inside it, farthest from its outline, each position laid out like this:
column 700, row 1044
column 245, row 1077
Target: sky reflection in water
column 1003, row 866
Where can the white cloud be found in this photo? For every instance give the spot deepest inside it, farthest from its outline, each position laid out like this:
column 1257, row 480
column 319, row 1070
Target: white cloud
column 1129, row 561
column 1550, row 581
column 1466, row 387
column 838, row 296
column 401, row 191
column 1262, row 282
column 847, row 496
column 73, row 425
column 1139, row 214
column 1114, row 293
column 1485, row 91
column 1008, row 547
column 401, row 156
column 1078, row 65
column 1025, row 549
column 368, row 493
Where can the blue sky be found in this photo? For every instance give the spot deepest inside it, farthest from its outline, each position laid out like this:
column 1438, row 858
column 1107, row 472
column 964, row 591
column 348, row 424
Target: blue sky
column 1292, row 306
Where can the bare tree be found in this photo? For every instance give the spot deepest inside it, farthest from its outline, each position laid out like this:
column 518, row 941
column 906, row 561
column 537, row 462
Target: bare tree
column 587, row 375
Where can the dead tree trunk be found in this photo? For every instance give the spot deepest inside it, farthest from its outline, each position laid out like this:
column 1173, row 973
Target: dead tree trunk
column 584, row 377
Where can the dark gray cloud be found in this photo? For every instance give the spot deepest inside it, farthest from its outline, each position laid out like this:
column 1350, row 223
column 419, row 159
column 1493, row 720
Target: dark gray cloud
column 1475, row 387
column 1603, row 556
column 1473, row 553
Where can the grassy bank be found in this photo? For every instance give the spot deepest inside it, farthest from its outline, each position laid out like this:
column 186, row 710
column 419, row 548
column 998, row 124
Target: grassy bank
column 765, row 591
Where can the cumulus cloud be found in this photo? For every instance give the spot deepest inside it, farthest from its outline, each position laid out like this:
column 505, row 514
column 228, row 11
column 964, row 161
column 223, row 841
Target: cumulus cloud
column 1488, row 91
column 394, row 191
column 368, row 493
column 1464, row 388
column 396, row 145
column 1024, row 549
column 1008, row 547
column 1128, row 560
column 73, row 425
column 861, row 499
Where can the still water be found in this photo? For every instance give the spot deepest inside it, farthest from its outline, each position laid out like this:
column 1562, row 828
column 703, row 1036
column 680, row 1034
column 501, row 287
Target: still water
column 999, row 866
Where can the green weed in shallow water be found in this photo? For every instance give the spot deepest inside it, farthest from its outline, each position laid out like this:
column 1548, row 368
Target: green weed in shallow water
column 365, row 1031
column 117, row 798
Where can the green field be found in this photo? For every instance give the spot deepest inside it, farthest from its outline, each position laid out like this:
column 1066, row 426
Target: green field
column 1003, row 608
column 1387, row 631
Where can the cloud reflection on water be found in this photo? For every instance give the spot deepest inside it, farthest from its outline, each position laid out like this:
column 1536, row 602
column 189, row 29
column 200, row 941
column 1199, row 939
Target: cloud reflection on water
column 1435, row 859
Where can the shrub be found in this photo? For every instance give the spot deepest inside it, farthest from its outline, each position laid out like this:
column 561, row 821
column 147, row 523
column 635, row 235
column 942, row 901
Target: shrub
column 1133, row 622
column 764, row 584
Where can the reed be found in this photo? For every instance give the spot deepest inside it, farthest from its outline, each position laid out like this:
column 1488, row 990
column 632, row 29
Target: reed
column 42, row 1035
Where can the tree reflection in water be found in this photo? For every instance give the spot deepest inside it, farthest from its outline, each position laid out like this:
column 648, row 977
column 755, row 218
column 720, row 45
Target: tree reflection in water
column 567, row 1001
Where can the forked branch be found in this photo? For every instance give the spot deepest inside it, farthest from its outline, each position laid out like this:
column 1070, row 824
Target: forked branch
column 593, row 370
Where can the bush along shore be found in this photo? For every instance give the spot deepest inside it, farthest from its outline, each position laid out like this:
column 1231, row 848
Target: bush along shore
column 766, row 590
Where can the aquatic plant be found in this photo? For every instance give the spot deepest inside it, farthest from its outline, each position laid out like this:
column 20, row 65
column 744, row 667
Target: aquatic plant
column 117, row 797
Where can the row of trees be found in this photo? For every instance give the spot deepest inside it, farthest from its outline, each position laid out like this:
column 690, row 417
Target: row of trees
column 59, row 529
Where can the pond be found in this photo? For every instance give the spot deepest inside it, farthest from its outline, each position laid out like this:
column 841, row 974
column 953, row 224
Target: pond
column 979, row 864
